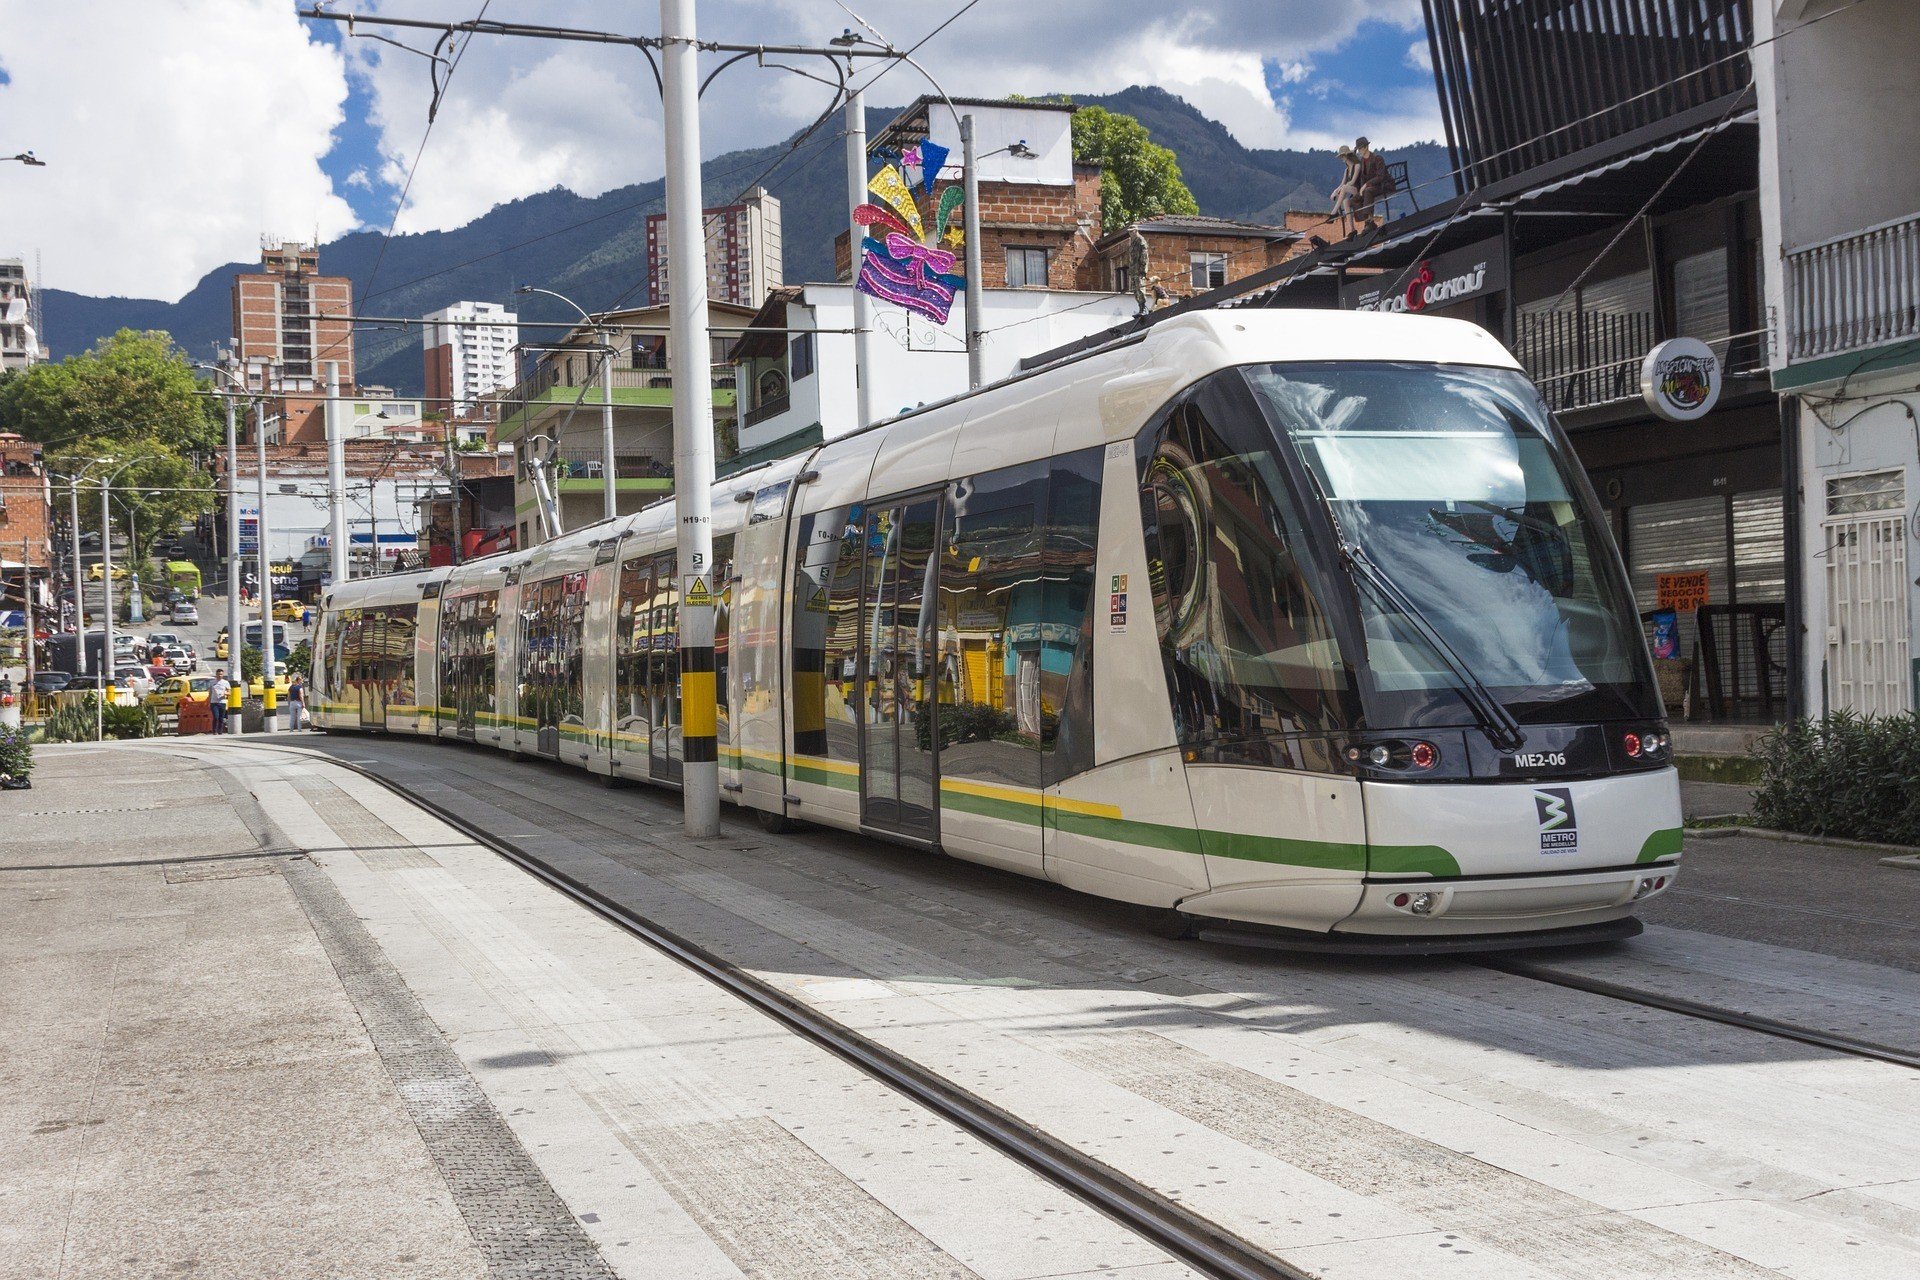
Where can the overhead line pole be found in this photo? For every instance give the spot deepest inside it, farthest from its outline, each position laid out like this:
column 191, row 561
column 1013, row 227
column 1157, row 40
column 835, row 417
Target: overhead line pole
column 862, row 304
column 688, row 361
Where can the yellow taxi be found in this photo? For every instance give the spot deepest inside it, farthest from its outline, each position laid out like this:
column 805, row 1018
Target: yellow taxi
column 257, row 686
column 220, row 647
column 97, row 572
column 172, row 691
column 287, row 610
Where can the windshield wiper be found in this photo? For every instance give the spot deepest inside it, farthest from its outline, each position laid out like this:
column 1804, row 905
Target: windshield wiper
column 1501, row 728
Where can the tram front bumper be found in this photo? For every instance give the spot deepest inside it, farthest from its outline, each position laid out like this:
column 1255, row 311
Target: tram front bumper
column 1505, row 904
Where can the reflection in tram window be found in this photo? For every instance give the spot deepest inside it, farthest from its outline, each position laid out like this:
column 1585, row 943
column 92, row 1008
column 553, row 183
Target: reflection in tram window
column 1250, row 655
column 630, row 653
column 552, row 614
column 826, row 631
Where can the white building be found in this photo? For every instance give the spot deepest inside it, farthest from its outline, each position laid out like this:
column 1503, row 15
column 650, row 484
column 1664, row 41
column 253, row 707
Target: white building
column 797, row 388
column 20, row 343
column 468, row 352
column 1840, row 210
column 744, row 256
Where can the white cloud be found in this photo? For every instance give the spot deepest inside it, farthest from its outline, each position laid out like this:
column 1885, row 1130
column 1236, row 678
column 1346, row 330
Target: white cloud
column 173, row 134
column 1420, row 57
column 359, row 178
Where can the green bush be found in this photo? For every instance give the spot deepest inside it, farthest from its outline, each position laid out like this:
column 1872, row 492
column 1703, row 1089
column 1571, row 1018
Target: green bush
column 130, row 722
column 300, row 661
column 1842, row 775
column 72, row 721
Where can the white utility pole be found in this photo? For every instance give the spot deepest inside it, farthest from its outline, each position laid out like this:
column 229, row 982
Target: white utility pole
column 79, row 580
column 611, row 502
column 233, row 539
column 862, row 304
column 106, row 581
column 336, row 480
column 688, row 360
column 265, row 560
column 970, row 206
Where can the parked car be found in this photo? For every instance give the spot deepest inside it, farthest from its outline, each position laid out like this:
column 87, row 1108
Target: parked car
column 162, row 639
column 137, row 680
column 185, row 613
column 168, row 695
column 177, row 660
column 51, row 681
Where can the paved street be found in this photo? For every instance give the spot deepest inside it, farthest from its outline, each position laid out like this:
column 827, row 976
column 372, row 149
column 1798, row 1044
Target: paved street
column 1382, row 1117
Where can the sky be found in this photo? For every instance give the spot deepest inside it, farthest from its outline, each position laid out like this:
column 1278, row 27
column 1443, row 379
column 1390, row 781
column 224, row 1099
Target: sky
column 176, row 134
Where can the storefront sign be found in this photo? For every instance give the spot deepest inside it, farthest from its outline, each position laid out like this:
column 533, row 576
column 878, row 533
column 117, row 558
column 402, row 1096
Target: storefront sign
column 1681, row 592
column 1438, row 281
column 1680, row 379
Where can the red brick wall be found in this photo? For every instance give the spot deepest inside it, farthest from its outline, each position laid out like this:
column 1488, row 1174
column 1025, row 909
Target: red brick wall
column 1027, row 215
column 1170, row 263
column 23, row 515
column 439, row 362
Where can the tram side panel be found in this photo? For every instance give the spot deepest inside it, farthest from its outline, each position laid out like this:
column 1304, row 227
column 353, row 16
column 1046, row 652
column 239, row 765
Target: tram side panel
column 506, row 694
column 596, row 653
column 1123, row 828
column 422, row 663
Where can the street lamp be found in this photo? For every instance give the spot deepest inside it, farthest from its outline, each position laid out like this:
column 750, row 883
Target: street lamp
column 106, row 561
column 29, row 159
column 610, row 501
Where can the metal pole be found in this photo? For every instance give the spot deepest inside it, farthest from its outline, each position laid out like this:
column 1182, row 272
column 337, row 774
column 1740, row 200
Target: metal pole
column 336, row 479
column 265, row 559
column 79, row 580
column 233, row 538
column 970, row 188
column 26, row 602
column 612, row 500
column 453, row 478
column 862, row 304
column 687, row 360
column 106, row 580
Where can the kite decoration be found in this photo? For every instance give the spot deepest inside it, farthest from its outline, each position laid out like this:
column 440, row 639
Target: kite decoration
column 898, row 262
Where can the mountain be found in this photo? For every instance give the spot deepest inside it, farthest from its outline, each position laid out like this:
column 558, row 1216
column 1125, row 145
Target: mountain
column 593, row 248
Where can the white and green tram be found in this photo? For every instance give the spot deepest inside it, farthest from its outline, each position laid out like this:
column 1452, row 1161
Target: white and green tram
column 1294, row 619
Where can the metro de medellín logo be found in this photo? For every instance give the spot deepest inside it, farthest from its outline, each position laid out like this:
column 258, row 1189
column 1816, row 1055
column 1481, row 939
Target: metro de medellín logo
column 1553, row 806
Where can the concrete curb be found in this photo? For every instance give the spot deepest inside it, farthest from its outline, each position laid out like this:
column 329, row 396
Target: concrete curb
column 1903, row 855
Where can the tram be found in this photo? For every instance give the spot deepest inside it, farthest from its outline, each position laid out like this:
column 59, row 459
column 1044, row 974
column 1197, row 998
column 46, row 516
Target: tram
column 1305, row 621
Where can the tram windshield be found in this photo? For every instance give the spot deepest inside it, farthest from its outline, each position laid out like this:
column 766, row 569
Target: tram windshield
column 1450, row 483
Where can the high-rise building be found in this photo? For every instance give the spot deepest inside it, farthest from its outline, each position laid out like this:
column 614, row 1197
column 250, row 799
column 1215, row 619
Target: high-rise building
column 743, row 251
column 19, row 318
column 289, row 323
column 469, row 352
column 290, row 320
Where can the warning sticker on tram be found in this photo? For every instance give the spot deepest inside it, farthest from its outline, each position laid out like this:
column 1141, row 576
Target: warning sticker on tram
column 697, row 593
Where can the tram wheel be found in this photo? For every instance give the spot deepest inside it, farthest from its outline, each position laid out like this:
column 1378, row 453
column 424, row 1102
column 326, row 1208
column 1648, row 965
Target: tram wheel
column 774, row 824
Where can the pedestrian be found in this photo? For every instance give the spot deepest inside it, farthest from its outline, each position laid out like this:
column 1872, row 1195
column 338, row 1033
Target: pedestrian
column 1348, row 191
column 306, row 616
column 296, row 702
column 218, row 695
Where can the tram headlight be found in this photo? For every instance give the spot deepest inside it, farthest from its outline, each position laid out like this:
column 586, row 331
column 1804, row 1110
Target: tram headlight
column 1394, row 755
column 1380, row 756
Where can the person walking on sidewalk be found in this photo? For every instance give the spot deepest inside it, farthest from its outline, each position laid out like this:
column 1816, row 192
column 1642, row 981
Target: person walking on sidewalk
column 217, row 694
column 296, row 702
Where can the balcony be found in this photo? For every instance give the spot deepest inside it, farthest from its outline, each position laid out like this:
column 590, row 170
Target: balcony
column 772, row 407
column 1855, row 291
column 1586, row 360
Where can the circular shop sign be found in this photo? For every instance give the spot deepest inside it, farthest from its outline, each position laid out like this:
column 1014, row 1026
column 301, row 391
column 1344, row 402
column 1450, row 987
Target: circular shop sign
column 1680, row 379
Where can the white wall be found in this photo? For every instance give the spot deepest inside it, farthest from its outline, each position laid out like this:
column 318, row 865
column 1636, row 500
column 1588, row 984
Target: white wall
column 1048, row 133
column 917, row 362
column 1845, row 109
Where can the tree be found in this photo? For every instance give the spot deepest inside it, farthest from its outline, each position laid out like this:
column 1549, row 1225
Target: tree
column 1139, row 178
column 132, row 398
column 130, row 387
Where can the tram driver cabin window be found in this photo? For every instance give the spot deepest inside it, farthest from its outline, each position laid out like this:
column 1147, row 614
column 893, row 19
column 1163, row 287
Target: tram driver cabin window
column 1026, row 268
column 1209, row 269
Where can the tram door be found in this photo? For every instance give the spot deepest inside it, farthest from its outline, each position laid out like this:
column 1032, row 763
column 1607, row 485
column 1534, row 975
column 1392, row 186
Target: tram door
column 898, row 668
column 373, row 687
column 664, row 744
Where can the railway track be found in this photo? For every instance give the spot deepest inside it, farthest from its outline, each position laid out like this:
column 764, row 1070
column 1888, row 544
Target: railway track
column 1183, row 1234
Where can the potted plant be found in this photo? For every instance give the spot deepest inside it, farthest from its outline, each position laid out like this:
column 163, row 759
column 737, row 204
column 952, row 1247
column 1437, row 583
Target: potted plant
column 16, row 758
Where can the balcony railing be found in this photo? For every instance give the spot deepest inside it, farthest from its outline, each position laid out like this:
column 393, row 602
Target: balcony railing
column 1584, row 358
column 1855, row 291
column 626, row 467
column 1616, row 352
column 772, row 407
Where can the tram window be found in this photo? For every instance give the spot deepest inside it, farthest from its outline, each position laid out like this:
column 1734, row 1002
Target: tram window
column 826, row 630
column 768, row 503
column 1251, row 657
column 993, row 643
column 630, row 651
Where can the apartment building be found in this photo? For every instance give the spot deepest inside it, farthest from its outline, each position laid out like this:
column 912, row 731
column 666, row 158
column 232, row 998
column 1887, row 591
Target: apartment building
column 289, row 323
column 468, row 351
column 744, row 259
column 20, row 343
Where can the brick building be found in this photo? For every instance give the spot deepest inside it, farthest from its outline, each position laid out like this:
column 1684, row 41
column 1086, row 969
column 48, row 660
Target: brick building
column 25, row 524
column 1189, row 254
column 289, row 322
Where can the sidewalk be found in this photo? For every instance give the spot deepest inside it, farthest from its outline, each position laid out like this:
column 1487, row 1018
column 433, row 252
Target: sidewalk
column 189, row 1086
